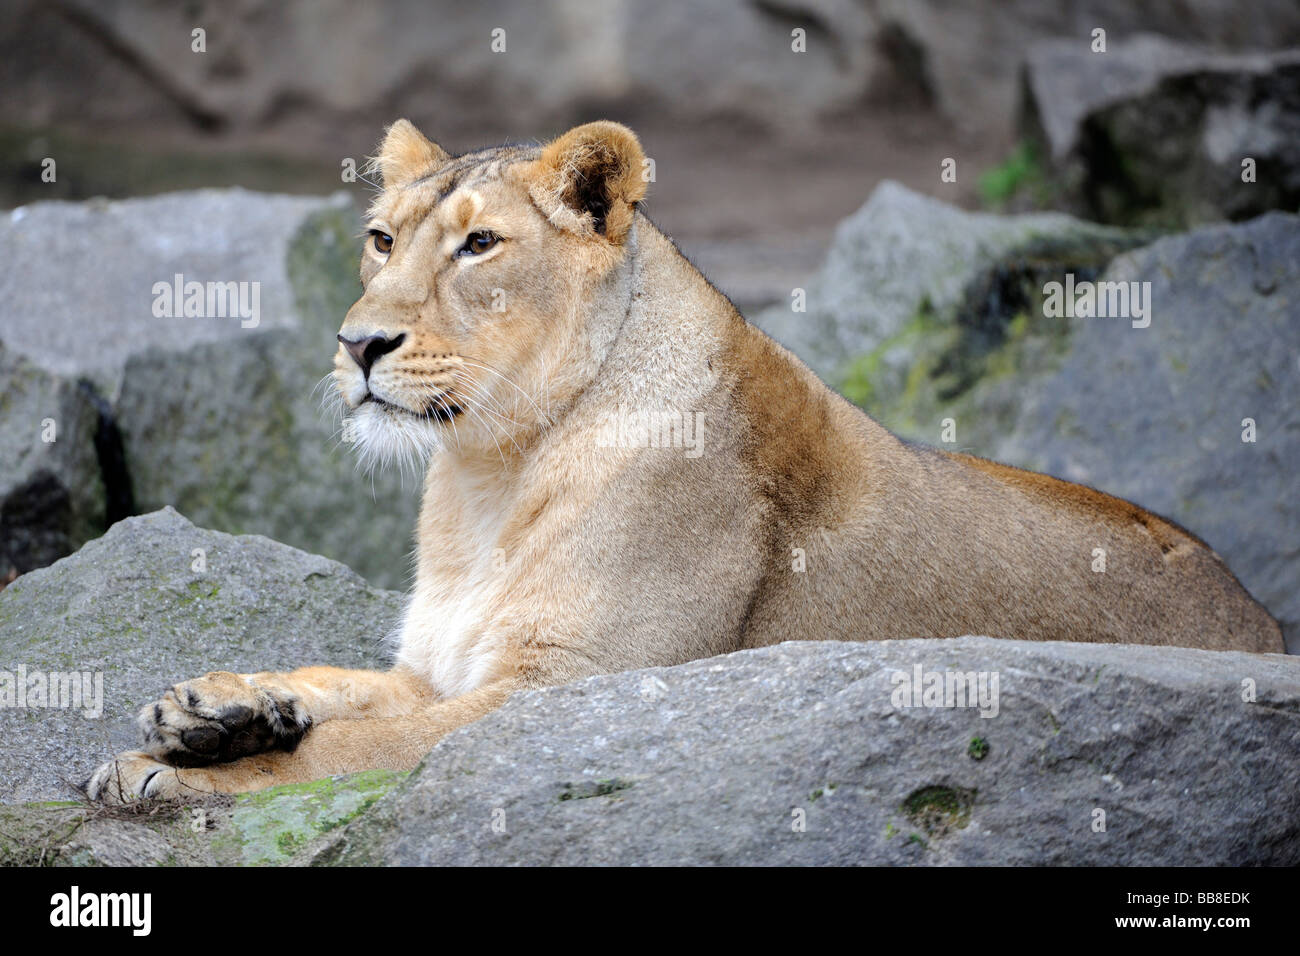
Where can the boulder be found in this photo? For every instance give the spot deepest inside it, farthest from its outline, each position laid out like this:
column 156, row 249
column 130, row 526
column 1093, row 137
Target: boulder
column 154, row 601
column 807, row 754
column 1154, row 130
column 52, row 491
column 905, row 262
column 214, row 413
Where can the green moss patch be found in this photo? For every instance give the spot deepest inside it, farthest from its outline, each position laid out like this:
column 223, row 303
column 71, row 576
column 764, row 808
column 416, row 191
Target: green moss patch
column 1022, row 174
column 956, row 362
column 271, row 826
column 939, row 810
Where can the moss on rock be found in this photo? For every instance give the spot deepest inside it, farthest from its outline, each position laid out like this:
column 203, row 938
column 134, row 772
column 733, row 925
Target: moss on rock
column 272, row 826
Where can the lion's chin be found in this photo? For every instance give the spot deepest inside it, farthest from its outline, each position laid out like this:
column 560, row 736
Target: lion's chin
column 384, row 435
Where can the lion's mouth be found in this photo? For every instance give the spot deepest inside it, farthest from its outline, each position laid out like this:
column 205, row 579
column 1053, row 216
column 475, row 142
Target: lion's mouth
column 440, row 410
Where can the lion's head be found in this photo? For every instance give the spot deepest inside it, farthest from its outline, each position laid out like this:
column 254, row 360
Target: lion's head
column 490, row 289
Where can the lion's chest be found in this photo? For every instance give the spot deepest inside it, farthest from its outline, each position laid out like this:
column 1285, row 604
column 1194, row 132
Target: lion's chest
column 447, row 634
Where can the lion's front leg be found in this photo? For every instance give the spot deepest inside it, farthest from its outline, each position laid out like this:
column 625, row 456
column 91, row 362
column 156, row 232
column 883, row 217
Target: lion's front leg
column 336, row 746
column 223, row 717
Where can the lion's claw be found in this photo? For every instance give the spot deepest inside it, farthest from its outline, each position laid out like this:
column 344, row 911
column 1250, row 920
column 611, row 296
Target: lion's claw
column 134, row 776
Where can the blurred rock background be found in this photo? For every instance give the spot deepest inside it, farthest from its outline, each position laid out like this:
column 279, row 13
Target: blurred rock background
column 759, row 150
column 776, row 171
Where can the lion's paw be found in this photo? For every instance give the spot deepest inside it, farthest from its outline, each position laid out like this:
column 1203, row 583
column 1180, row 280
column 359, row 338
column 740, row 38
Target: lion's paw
column 135, row 776
column 218, row 718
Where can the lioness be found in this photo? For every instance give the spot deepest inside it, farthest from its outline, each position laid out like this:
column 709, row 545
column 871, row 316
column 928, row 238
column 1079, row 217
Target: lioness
column 521, row 324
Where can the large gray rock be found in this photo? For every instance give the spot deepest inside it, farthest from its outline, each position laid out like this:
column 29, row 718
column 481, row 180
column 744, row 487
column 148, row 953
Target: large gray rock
column 216, row 415
column 52, row 490
column 799, row 753
column 154, row 601
column 1155, row 130
column 79, row 293
column 903, row 260
column 721, row 761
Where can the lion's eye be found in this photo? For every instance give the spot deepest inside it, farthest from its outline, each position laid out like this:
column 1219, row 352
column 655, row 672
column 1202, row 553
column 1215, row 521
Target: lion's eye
column 478, row 243
column 383, row 242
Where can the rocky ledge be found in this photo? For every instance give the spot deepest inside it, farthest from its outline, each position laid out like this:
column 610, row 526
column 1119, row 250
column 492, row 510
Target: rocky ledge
column 926, row 752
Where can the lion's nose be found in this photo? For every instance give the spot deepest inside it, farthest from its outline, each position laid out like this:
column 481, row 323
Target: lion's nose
column 366, row 351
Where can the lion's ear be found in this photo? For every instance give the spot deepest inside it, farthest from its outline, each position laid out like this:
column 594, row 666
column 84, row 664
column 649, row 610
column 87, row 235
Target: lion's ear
column 590, row 180
column 405, row 155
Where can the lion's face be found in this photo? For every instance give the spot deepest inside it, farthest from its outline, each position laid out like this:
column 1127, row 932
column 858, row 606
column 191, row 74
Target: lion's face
column 478, row 274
